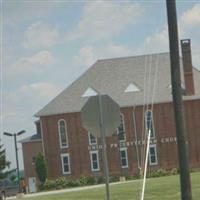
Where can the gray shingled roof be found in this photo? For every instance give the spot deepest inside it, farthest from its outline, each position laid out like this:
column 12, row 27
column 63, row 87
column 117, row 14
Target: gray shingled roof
column 112, row 77
column 35, row 137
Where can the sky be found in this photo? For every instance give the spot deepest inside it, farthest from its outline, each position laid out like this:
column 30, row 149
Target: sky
column 46, row 45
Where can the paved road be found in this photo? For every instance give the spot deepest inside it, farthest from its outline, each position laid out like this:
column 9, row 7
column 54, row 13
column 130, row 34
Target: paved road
column 70, row 190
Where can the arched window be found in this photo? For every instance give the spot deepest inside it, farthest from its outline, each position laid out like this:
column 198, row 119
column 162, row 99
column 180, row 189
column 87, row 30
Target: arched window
column 62, row 133
column 92, row 139
column 121, row 129
column 149, row 123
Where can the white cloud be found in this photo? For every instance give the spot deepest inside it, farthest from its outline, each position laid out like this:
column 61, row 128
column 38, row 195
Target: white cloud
column 39, row 91
column 40, row 35
column 17, row 11
column 158, row 42
column 189, row 27
column 35, row 63
column 105, row 19
column 113, row 50
column 191, row 17
column 22, row 103
column 89, row 54
column 85, row 57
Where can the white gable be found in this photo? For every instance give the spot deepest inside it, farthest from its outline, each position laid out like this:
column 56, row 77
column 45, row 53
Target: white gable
column 132, row 88
column 89, row 92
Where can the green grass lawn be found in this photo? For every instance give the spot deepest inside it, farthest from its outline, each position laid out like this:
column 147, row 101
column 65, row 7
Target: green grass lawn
column 163, row 188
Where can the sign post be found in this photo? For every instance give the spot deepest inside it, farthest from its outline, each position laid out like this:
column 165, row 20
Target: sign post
column 101, row 116
column 103, row 141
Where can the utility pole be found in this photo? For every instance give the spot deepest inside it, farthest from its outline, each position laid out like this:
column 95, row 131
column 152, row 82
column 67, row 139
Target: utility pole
column 182, row 142
column 17, row 161
column 16, row 153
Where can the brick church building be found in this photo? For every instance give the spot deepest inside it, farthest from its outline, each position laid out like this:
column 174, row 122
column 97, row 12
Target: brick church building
column 141, row 85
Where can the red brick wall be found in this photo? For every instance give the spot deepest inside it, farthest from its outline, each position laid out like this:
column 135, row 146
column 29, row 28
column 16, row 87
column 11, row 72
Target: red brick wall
column 78, row 140
column 30, row 150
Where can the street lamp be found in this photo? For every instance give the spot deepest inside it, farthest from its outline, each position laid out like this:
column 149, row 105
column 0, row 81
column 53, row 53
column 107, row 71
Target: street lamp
column 16, row 150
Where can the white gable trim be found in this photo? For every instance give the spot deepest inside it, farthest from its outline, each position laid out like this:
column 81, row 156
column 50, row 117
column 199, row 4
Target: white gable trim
column 89, row 92
column 132, row 88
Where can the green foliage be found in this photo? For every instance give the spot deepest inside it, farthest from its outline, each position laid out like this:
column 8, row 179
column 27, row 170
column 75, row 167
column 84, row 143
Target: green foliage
column 13, row 178
column 114, row 179
column 61, row 183
column 158, row 173
column 162, row 172
column 83, row 180
column 87, row 180
column 100, row 180
column 73, row 183
column 174, row 171
column 3, row 162
column 41, row 168
column 163, row 188
column 48, row 185
column 91, row 180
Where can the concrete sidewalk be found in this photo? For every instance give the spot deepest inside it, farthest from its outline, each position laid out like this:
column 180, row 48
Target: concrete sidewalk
column 69, row 190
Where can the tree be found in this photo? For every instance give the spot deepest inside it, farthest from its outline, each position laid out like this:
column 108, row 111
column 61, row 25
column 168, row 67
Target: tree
column 3, row 162
column 41, row 168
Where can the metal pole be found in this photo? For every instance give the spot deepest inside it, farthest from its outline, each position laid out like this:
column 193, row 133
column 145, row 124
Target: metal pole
column 146, row 163
column 178, row 103
column 103, row 140
column 17, row 162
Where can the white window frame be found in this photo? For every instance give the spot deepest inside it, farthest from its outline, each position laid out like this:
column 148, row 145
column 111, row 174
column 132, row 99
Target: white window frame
column 156, row 158
column 67, row 143
column 89, row 138
column 126, row 154
column 91, row 161
column 62, row 161
column 122, row 115
column 153, row 135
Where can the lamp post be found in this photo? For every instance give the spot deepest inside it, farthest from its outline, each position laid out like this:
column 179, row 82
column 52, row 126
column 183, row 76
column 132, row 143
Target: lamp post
column 16, row 151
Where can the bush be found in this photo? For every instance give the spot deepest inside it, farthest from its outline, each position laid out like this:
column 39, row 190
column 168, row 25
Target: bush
column 100, row 179
column 83, row 180
column 73, row 183
column 174, row 171
column 158, row 173
column 41, row 168
column 87, row 180
column 48, row 185
column 91, row 180
column 114, row 179
column 61, row 183
column 137, row 176
column 163, row 172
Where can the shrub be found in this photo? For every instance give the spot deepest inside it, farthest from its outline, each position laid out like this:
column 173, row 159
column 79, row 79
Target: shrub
column 48, row 185
column 87, row 180
column 174, row 171
column 158, row 173
column 61, row 183
column 129, row 177
column 83, row 180
column 100, row 179
column 114, row 179
column 73, row 183
column 91, row 180
column 137, row 176
column 41, row 168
